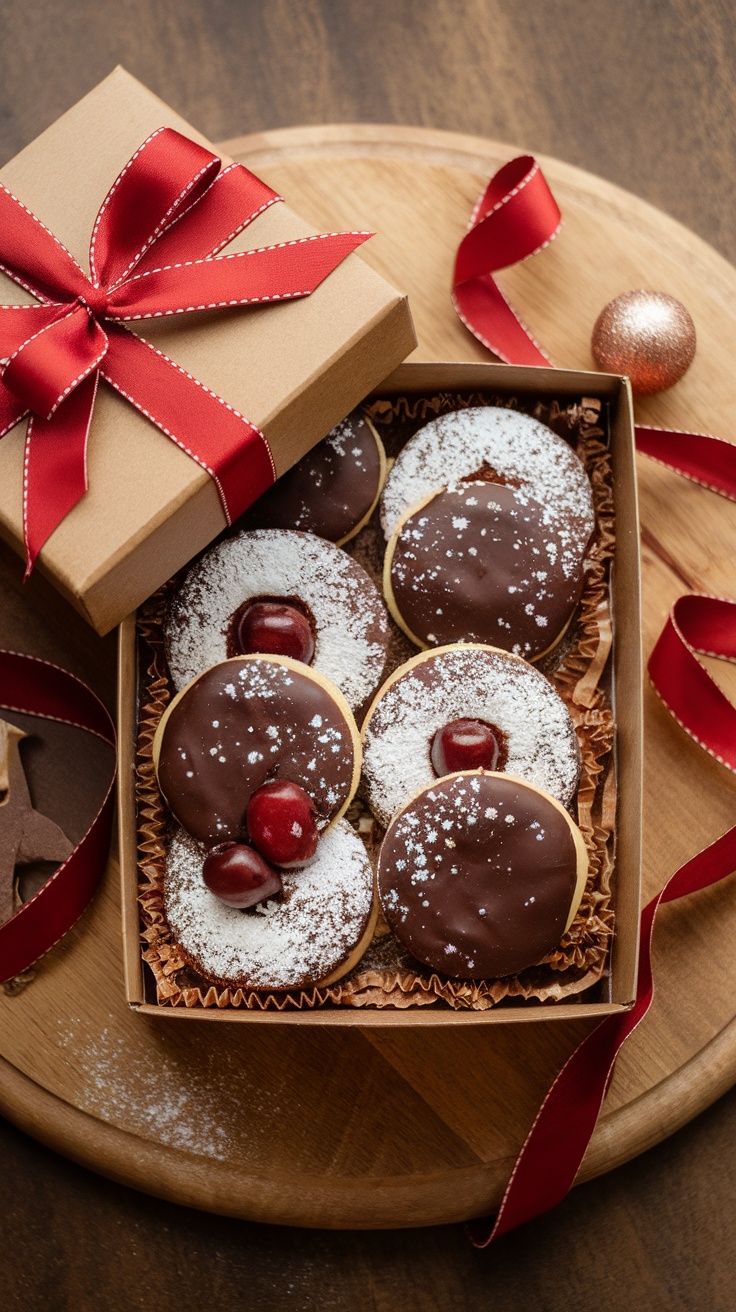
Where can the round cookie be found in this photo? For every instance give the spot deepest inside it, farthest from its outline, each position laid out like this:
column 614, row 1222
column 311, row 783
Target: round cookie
column 500, row 446
column 341, row 602
column 479, row 563
column 247, row 721
column 480, row 875
column 313, row 933
column 527, row 715
column 333, row 490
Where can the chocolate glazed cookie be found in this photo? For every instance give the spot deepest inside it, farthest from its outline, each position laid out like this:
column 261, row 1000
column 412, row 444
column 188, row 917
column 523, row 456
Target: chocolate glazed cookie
column 243, row 723
column 334, row 488
column 481, row 563
column 480, row 875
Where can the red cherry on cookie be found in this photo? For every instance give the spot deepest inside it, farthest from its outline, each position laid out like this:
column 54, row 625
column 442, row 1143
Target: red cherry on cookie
column 239, row 875
column 464, row 745
column 276, row 629
column 282, row 823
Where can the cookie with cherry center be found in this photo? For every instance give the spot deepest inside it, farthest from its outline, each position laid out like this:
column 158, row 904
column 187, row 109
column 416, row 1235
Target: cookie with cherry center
column 274, row 591
column 466, row 707
column 306, row 930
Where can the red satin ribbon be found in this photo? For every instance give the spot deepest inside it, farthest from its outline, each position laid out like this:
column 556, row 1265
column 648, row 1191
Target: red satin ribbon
column 35, row 687
column 515, row 217
column 153, row 252
column 554, row 1149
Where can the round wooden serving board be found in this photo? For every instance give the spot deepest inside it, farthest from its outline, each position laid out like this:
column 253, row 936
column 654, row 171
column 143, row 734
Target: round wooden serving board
column 394, row 1127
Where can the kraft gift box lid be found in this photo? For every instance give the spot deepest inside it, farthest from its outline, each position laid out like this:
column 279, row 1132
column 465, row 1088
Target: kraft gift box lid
column 294, row 369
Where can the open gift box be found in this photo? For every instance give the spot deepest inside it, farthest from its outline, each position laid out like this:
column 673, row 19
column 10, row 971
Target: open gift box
column 597, row 669
column 291, row 369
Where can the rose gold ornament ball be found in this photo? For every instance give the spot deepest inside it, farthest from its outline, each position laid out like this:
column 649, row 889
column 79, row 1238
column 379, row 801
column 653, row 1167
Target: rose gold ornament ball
column 647, row 335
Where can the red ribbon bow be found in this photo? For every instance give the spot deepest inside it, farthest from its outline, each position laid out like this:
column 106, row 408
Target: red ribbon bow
column 168, row 213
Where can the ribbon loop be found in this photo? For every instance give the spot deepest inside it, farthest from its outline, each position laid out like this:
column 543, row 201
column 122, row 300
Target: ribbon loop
column 235, row 198
column 33, row 257
column 516, row 216
column 166, row 174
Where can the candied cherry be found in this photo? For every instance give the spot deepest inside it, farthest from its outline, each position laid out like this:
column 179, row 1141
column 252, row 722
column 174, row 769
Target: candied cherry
column 239, row 875
column 275, row 628
column 464, row 745
column 282, row 823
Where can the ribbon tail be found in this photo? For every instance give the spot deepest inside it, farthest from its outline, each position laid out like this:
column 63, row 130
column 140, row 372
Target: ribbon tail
column 55, row 470
column 288, row 270
column 487, row 314
column 555, row 1146
column 211, row 432
column 709, row 461
column 554, row 1149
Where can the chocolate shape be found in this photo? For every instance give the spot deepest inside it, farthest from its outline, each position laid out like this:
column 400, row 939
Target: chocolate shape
column 478, row 875
column 331, row 489
column 242, row 723
column 26, row 836
column 478, row 563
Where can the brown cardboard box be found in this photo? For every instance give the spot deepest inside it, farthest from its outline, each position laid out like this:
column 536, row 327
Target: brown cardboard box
column 617, row 993
column 293, row 369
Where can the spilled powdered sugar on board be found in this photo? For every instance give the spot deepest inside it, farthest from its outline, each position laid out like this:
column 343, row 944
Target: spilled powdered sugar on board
column 151, row 1100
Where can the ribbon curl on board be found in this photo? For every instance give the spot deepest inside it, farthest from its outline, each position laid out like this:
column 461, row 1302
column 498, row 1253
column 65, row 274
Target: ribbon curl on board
column 515, row 217
column 153, row 252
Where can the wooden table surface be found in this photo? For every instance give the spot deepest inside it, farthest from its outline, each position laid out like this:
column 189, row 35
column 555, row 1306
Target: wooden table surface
column 640, row 93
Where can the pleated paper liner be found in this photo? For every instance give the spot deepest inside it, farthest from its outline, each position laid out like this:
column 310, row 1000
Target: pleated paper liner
column 387, row 976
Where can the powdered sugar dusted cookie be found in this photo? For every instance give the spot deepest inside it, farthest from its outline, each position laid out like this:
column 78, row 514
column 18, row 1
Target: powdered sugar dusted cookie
column 339, row 601
column 333, row 489
column 246, row 722
column 480, row 875
column 464, row 707
column 501, row 446
column 481, row 563
column 312, row 933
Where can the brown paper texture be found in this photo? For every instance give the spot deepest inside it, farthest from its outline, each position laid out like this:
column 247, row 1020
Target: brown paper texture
column 294, row 369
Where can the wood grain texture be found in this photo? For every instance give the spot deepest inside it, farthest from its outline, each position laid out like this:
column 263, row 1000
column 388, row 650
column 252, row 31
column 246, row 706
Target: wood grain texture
column 642, row 95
